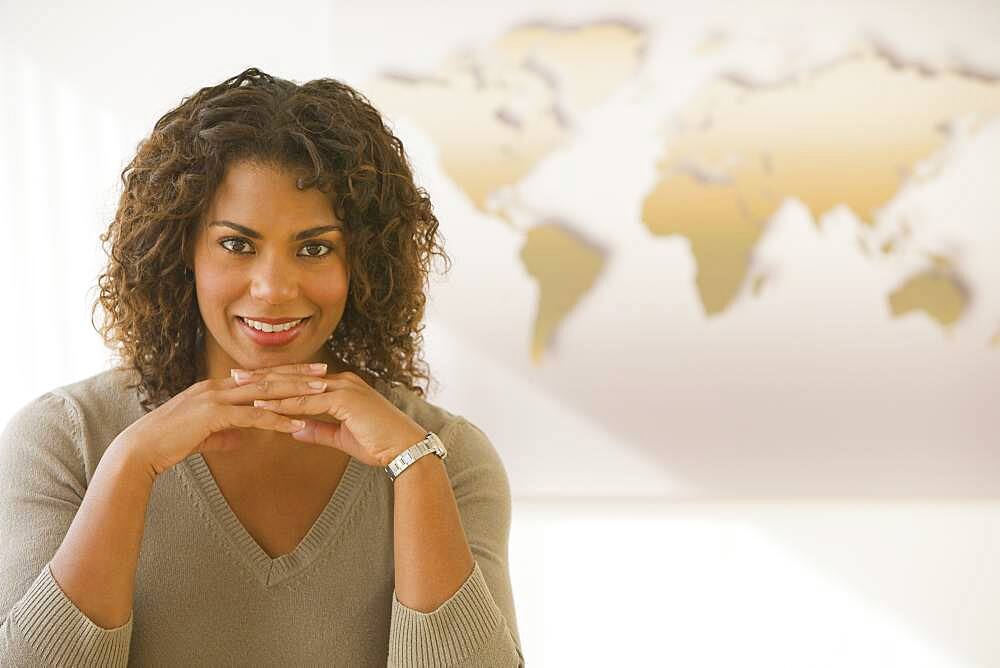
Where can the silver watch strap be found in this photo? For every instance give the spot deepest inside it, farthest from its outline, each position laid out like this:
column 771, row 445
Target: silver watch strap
column 429, row 444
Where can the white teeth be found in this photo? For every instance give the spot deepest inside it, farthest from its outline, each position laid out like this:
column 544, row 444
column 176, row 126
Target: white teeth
column 265, row 327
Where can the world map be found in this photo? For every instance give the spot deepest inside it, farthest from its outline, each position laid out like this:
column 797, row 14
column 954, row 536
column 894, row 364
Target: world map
column 850, row 133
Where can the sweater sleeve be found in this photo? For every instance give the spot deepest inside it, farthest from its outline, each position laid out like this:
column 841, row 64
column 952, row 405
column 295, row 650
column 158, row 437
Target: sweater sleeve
column 476, row 626
column 42, row 484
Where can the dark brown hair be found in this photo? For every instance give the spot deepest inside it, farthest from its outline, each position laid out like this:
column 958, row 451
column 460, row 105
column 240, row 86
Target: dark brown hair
column 323, row 128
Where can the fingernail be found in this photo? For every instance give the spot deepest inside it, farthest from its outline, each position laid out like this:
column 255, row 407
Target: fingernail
column 298, row 424
column 319, row 366
column 317, row 385
column 241, row 375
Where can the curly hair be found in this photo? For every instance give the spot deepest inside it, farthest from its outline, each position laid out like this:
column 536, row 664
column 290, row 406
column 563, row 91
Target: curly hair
column 333, row 133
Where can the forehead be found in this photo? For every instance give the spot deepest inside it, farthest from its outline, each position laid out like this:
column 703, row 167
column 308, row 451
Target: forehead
column 264, row 196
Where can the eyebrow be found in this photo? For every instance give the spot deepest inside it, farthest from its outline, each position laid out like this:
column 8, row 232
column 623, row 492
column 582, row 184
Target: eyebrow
column 304, row 234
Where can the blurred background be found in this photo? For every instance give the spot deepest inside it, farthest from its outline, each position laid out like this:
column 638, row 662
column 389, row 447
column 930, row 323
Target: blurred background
column 725, row 292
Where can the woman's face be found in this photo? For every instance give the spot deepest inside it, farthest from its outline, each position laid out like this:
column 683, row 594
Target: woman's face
column 267, row 250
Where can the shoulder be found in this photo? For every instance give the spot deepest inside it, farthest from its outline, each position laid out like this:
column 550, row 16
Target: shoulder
column 74, row 422
column 47, row 415
column 42, row 442
column 104, row 398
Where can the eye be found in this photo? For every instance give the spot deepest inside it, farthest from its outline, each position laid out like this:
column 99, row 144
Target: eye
column 236, row 245
column 234, row 240
column 325, row 247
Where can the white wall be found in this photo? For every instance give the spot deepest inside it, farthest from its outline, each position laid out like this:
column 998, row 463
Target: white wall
column 624, row 556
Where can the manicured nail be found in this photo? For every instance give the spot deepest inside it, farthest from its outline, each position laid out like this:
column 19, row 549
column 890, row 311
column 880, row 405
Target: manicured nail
column 298, row 424
column 317, row 385
column 319, row 366
column 241, row 376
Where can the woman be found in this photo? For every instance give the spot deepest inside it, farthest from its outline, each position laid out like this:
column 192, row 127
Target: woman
column 259, row 481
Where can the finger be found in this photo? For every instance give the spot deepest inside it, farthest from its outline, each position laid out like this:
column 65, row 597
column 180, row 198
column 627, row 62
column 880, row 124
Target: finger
column 248, row 376
column 334, row 381
column 259, row 418
column 211, row 385
column 272, row 388
column 302, row 405
column 217, row 384
column 307, row 369
column 256, row 377
column 320, row 433
column 343, row 379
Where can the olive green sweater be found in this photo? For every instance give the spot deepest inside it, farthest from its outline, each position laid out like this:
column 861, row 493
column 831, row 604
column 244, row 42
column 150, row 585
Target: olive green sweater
column 206, row 593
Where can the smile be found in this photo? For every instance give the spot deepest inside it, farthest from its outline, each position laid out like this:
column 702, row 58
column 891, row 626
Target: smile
column 278, row 334
column 271, row 327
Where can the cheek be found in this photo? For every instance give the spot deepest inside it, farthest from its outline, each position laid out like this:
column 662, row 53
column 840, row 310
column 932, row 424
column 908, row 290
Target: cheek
column 330, row 289
column 216, row 289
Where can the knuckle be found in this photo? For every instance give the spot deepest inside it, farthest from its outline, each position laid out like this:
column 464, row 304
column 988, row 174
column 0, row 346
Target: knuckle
column 263, row 384
column 200, row 386
column 301, row 401
column 227, row 415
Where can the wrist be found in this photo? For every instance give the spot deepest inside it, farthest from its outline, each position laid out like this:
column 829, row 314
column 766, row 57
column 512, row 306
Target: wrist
column 402, row 443
column 428, row 447
column 125, row 454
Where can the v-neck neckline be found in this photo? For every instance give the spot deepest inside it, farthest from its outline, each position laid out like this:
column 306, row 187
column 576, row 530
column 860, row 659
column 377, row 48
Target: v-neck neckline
column 274, row 571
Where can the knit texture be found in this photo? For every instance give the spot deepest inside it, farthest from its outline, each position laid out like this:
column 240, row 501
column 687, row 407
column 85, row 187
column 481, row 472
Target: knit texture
column 206, row 593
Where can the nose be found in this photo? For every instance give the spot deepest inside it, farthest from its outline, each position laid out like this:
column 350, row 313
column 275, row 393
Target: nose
column 274, row 281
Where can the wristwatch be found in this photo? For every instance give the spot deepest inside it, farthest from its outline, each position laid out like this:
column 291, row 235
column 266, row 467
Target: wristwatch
column 430, row 443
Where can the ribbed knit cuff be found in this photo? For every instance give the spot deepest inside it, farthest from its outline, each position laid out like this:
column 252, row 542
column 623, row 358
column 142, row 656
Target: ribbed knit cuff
column 61, row 634
column 452, row 633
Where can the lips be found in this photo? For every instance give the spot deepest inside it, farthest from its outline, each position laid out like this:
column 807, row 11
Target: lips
column 273, row 321
column 271, row 338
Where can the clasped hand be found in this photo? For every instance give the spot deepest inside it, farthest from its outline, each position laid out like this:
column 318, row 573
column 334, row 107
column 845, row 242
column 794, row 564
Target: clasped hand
column 347, row 414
